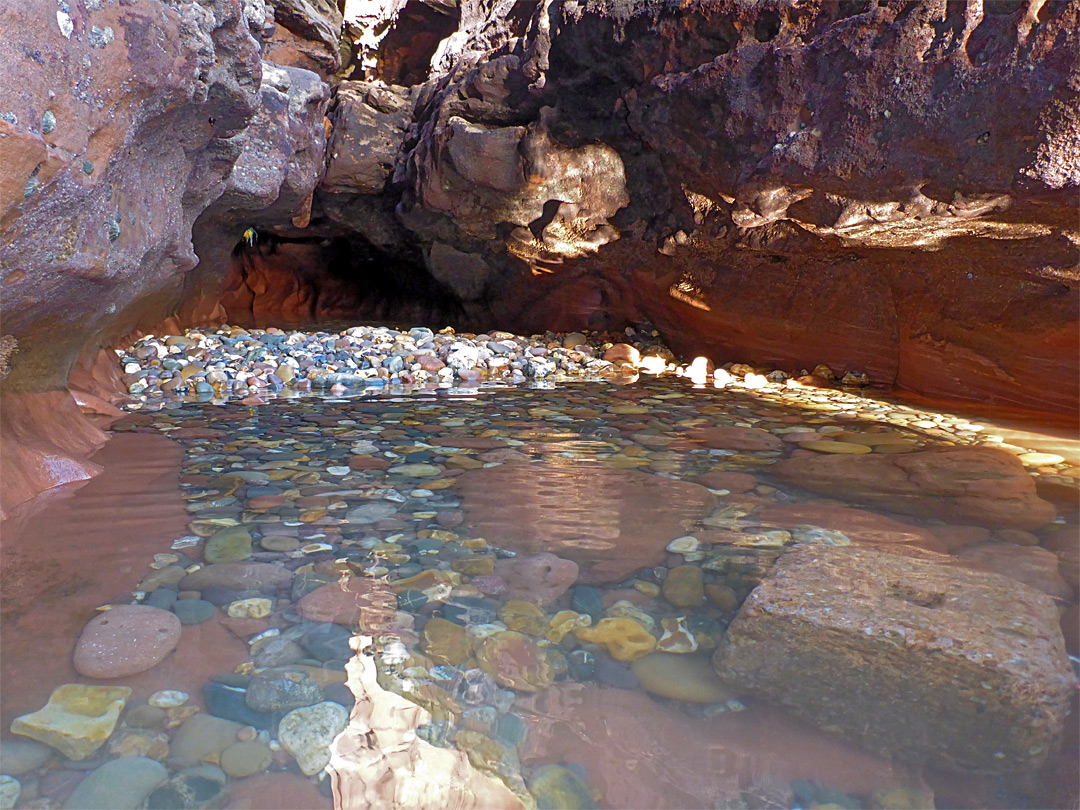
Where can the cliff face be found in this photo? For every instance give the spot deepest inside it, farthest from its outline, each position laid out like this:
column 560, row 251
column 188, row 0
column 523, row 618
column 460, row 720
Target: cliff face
column 877, row 185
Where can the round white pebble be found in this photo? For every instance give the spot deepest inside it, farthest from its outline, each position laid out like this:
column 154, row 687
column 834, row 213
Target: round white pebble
column 1040, row 459
column 168, row 699
column 339, row 470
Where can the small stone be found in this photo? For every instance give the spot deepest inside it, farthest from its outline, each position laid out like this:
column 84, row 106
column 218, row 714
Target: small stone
column 254, row 608
column 588, row 600
column 243, row 759
column 723, row 596
column 201, row 737
column 624, row 639
column 307, row 733
column 231, row 544
column 683, row 545
column 541, row 578
column 565, row 622
column 10, row 790
column 327, row 641
column 125, row 640
column 524, row 617
column 193, row 611
column 280, row 544
column 77, row 720
column 282, row 688
column 474, row 564
column 557, row 788
column 676, row 637
column 685, row 586
column 1041, row 459
column 682, row 677
column 119, row 784
column 515, row 661
column 167, row 698
column 139, row 742
column 445, row 642
column 19, row 757
column 144, row 716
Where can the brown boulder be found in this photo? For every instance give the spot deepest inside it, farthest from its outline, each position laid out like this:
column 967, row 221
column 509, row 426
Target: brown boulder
column 357, row 601
column 927, row 662
column 979, row 485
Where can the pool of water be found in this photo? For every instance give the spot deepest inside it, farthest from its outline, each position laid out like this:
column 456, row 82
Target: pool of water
column 518, row 593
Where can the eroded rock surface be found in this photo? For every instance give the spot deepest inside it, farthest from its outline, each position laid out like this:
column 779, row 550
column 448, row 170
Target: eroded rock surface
column 906, row 656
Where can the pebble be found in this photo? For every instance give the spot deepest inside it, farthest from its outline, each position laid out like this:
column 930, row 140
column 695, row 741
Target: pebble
column 193, row 611
column 306, row 733
column 168, row 698
column 22, row 756
column 243, row 759
column 200, row 737
column 125, row 640
column 254, row 608
column 682, row 677
column 119, row 784
column 10, row 790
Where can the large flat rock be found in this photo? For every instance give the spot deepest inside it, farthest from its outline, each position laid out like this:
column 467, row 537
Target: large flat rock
column 924, row 661
column 982, row 485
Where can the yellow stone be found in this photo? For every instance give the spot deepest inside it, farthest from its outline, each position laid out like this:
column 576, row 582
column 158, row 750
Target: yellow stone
column 475, row 543
column 647, row 588
column 629, row 409
column 525, row 617
column 564, row 622
column 825, row 446
column 624, row 639
column 1040, row 459
column 445, row 642
column 474, row 565
column 682, row 677
column 440, row 483
column 77, row 720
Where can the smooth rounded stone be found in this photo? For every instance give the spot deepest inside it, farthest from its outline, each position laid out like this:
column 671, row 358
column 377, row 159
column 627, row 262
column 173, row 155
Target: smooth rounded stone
column 242, row 759
column 445, row 642
column 557, row 788
column 474, row 564
column 327, row 642
column 624, row 639
column 193, row 611
column 125, row 640
column 231, row 544
column 252, row 608
column 418, row 470
column 238, row 576
column 119, row 784
column 139, row 742
column 10, row 790
column 161, row 598
column 200, row 737
column 514, row 660
column 229, row 702
column 685, row 586
column 682, row 677
column 540, row 578
column 145, row 716
column 282, row 688
column 279, row 544
column 827, row 446
column 1018, row 537
column 307, row 581
column 587, row 600
column 19, row 757
column 723, row 596
column 277, row 652
column 468, row 610
column 168, row 698
column 411, row 600
column 197, row 788
column 524, row 617
column 307, row 733
column 1040, row 459
column 612, row 673
column 683, row 545
column 371, row 512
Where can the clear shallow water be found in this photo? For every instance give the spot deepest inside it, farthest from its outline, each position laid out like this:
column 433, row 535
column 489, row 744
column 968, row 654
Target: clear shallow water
column 397, row 484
